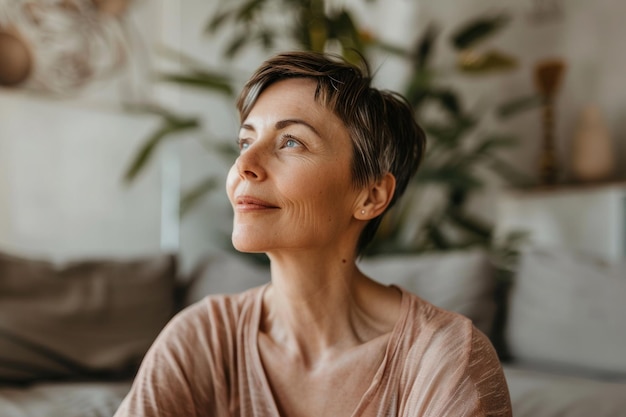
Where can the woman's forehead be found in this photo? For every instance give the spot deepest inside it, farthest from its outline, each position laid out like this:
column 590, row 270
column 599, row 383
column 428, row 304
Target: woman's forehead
column 293, row 99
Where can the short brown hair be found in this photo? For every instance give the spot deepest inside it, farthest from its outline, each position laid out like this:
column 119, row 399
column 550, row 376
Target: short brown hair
column 385, row 136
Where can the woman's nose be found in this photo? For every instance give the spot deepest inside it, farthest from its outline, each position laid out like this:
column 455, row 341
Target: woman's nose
column 251, row 163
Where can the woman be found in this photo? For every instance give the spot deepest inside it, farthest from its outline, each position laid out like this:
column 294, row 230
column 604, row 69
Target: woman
column 323, row 156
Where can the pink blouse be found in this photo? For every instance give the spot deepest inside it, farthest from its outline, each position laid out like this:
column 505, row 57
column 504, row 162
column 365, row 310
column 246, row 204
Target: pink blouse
column 206, row 362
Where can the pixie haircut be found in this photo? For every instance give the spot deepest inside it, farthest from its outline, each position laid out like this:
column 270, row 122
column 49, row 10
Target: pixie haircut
column 385, row 136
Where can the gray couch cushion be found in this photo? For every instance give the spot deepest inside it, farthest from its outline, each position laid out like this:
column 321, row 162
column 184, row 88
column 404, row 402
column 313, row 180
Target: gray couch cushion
column 63, row 399
column 460, row 281
column 225, row 273
column 549, row 394
column 568, row 310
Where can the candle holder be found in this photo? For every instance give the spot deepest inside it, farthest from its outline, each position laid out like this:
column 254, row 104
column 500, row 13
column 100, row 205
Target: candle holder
column 548, row 78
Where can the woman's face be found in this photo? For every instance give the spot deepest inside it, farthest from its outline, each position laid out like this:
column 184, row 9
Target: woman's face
column 291, row 187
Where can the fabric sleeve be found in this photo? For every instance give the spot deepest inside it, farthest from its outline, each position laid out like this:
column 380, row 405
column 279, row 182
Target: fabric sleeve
column 453, row 371
column 476, row 383
column 486, row 375
column 175, row 377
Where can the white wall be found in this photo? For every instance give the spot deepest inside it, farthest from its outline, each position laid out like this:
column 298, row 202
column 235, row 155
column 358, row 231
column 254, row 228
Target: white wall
column 61, row 166
column 61, row 194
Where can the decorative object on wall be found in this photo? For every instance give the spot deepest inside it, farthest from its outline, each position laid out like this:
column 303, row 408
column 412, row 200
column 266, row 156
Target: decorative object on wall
column 17, row 62
column 59, row 46
column 592, row 148
column 548, row 77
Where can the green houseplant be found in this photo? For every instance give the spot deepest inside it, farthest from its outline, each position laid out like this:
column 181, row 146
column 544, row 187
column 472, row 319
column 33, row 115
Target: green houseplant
column 458, row 146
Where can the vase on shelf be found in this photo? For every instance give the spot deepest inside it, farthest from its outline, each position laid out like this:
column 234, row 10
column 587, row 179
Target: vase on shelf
column 592, row 148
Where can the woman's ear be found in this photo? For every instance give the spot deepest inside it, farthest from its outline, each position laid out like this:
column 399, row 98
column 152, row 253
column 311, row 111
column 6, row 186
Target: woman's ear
column 376, row 197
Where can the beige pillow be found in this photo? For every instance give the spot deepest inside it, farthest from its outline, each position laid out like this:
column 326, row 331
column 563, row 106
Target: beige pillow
column 93, row 318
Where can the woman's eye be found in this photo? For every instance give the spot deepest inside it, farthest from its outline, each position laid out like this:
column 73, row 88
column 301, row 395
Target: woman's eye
column 291, row 143
column 243, row 144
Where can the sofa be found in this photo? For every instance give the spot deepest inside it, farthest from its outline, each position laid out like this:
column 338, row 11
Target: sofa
column 73, row 334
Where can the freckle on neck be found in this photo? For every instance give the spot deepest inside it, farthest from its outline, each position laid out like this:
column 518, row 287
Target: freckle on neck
column 343, row 261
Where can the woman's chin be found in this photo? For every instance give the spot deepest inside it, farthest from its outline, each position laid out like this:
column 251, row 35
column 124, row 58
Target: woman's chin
column 248, row 249
column 248, row 245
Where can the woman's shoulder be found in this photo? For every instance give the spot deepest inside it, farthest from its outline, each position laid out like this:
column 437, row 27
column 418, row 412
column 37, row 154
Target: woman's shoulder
column 445, row 345
column 426, row 316
column 451, row 337
column 215, row 312
column 427, row 327
column 221, row 306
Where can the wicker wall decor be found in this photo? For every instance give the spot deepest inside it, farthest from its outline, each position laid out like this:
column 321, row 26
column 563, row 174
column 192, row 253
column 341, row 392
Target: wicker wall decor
column 59, row 46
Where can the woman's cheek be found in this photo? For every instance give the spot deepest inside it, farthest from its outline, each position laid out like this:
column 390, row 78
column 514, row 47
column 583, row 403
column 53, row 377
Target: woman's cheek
column 231, row 183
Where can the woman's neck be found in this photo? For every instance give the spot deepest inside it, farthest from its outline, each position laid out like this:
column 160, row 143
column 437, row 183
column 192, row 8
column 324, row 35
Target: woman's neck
column 319, row 306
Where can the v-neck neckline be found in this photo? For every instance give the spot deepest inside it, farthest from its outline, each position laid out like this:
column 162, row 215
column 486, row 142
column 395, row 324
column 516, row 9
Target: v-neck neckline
column 390, row 352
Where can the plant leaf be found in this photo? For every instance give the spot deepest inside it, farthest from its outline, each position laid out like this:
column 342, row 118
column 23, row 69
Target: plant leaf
column 448, row 100
column 419, row 88
column 477, row 30
column 267, row 38
column 491, row 142
column 518, row 105
column 425, row 46
column 390, row 48
column 237, row 43
column 449, row 134
column 348, row 35
column 147, row 150
column 437, row 237
column 455, row 177
column 473, row 62
column 247, row 11
column 195, row 195
column 470, row 223
column 218, row 21
column 506, row 171
column 201, row 79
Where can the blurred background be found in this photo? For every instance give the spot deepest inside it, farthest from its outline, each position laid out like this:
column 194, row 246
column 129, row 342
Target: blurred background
column 117, row 118
column 118, row 126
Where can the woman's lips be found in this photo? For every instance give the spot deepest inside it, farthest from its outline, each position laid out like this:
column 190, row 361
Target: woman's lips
column 247, row 203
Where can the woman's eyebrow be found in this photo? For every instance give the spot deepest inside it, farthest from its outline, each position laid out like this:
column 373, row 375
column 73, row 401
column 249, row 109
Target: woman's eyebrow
column 281, row 124
column 246, row 126
column 288, row 122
